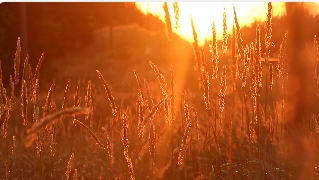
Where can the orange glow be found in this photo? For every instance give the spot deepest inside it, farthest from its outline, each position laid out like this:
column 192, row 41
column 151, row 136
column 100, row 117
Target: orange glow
column 204, row 13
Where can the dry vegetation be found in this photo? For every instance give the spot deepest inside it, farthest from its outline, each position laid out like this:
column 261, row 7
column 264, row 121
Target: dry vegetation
column 234, row 126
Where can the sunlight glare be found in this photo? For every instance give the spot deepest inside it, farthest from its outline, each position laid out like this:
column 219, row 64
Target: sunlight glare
column 204, row 13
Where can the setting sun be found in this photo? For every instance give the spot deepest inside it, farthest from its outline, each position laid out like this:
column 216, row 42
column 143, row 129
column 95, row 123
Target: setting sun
column 204, row 13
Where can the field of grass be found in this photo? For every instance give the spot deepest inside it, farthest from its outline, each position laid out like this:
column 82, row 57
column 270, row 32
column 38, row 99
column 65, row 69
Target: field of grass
column 158, row 109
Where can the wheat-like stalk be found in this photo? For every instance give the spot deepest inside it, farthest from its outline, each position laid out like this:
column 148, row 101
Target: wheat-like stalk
column 48, row 102
column 148, row 96
column 49, row 120
column 196, row 123
column 222, row 92
column 96, row 139
column 186, row 108
column 5, row 115
column 69, row 167
column 161, row 79
column 282, row 65
column 89, row 102
column 172, row 96
column 152, row 139
column 205, row 82
column 196, row 50
column 109, row 146
column 271, row 76
column 242, row 62
column 24, row 102
column 150, row 116
column 182, row 150
column 214, row 52
column 268, row 34
column 17, row 56
column 168, row 23
column 36, row 96
column 65, row 96
column 125, row 144
column 12, row 98
column 225, row 34
column 140, row 117
column 234, row 67
column 140, row 87
column 176, row 13
column 109, row 94
column 37, row 71
column 75, row 174
column 258, row 44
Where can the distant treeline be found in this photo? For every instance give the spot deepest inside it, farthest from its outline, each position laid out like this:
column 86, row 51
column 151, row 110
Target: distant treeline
column 60, row 28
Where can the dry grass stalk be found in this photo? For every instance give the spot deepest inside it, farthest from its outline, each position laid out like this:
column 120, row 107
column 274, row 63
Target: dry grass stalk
column 176, row 13
column 140, row 87
column 271, row 76
column 254, row 87
column 13, row 144
column 196, row 124
column 225, row 34
column 17, row 56
column 140, row 115
column 36, row 96
column 65, row 96
column 77, row 100
column 148, row 96
column 234, row 63
column 1, row 78
column 49, row 120
column 242, row 62
column 152, row 114
column 258, row 44
column 12, row 99
column 24, row 91
column 2, row 89
column 75, row 175
column 49, row 100
column 25, row 73
column 98, row 142
column 37, row 70
column 283, row 63
column 172, row 96
column 214, row 52
column 24, row 102
column 168, row 23
column 182, row 150
column 196, row 51
column 206, row 84
column 186, row 108
column 268, row 34
column 89, row 102
column 152, row 139
column 160, row 78
column 109, row 146
column 125, row 144
column 167, row 111
column 222, row 92
column 30, row 83
column 109, row 94
column 316, row 62
column 69, row 167
column 5, row 115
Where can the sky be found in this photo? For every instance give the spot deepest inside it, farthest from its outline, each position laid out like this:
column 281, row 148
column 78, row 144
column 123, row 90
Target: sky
column 204, row 13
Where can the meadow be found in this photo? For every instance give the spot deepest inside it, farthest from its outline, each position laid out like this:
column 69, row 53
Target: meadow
column 222, row 113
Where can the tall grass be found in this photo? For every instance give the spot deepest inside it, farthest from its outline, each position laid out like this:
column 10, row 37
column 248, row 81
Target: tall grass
column 254, row 120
